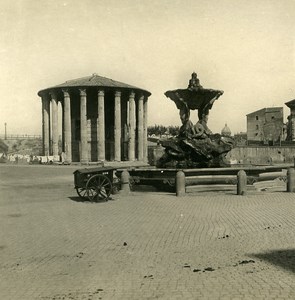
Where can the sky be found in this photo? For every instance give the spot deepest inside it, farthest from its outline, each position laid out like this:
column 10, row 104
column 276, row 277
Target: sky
column 244, row 47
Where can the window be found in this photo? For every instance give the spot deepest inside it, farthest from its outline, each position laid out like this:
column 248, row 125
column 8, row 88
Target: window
column 272, row 117
column 256, row 118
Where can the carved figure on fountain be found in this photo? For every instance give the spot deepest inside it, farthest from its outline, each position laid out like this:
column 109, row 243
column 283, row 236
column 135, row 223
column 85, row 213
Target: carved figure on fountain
column 194, row 83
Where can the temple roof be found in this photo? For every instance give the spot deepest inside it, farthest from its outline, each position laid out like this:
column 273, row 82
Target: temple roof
column 93, row 81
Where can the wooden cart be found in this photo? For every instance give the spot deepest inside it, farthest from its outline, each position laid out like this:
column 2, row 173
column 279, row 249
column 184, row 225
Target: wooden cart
column 95, row 184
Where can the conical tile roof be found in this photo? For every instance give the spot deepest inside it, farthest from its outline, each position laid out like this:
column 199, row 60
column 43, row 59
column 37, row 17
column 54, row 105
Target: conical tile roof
column 93, row 81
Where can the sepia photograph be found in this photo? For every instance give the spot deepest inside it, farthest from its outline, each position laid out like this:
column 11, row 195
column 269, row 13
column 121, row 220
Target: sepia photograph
column 147, row 149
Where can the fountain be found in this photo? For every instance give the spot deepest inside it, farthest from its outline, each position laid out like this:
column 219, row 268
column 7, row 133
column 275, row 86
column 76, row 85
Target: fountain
column 197, row 157
column 195, row 146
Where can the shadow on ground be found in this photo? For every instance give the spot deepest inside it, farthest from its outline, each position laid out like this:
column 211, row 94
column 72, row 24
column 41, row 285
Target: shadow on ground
column 86, row 201
column 282, row 258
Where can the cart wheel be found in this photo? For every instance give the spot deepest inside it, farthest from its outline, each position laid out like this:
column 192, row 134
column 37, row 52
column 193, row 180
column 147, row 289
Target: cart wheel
column 82, row 192
column 98, row 187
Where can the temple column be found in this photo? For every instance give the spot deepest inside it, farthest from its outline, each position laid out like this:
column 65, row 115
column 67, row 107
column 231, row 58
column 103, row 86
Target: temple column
column 67, row 126
column 83, row 126
column 100, row 125
column 46, row 125
column 145, row 118
column 54, row 103
column 62, row 127
column 131, row 146
column 117, row 132
column 292, row 120
column 140, row 128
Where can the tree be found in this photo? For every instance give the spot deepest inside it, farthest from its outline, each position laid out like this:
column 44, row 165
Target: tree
column 159, row 130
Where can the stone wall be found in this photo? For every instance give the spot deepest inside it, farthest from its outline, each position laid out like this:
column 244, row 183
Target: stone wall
column 243, row 154
column 262, row 154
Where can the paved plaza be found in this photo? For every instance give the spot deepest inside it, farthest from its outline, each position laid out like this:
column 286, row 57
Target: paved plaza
column 149, row 245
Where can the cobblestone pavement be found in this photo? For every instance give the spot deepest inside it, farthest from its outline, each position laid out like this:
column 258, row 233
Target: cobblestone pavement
column 151, row 245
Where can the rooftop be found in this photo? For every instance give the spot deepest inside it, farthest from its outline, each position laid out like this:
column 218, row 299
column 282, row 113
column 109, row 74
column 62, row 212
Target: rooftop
column 93, row 81
column 266, row 109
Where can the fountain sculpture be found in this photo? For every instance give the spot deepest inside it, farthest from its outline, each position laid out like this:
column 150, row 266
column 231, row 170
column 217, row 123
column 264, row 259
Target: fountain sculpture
column 195, row 146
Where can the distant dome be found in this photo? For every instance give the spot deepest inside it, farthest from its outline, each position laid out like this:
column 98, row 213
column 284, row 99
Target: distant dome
column 226, row 131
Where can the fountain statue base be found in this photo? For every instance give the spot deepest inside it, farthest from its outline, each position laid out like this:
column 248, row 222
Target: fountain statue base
column 196, row 153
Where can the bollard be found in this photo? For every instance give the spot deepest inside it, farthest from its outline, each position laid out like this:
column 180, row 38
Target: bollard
column 241, row 182
column 291, row 180
column 180, row 184
column 125, row 188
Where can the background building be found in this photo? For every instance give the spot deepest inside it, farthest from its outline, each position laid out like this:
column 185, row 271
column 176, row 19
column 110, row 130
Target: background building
column 102, row 119
column 290, row 126
column 265, row 125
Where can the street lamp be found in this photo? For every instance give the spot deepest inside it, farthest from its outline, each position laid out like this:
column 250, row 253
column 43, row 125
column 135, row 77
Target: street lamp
column 5, row 136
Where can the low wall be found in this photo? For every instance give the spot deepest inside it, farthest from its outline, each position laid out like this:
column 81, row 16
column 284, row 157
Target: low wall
column 262, row 154
column 243, row 154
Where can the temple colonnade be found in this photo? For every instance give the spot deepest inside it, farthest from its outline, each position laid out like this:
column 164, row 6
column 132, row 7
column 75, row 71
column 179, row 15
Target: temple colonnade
column 101, row 119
